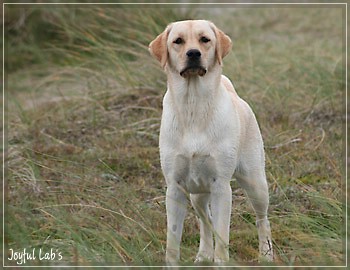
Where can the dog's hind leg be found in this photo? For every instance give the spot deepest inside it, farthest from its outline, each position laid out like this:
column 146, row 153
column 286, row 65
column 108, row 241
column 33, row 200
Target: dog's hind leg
column 200, row 203
column 255, row 185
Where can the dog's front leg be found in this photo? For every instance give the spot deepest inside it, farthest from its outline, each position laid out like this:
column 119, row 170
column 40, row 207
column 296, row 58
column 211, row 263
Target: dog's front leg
column 221, row 201
column 200, row 203
column 176, row 205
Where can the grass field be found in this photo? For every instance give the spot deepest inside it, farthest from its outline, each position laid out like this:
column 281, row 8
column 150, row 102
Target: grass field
column 83, row 111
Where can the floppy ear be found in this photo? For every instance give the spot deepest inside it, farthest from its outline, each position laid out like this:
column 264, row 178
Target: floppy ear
column 158, row 47
column 223, row 43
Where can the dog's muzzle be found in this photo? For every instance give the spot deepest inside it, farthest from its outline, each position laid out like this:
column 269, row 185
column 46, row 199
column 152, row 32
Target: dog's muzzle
column 193, row 71
column 193, row 66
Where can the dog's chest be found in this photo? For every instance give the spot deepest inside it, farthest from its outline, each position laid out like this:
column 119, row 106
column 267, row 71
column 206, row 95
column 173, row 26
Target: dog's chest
column 194, row 165
column 195, row 139
column 195, row 173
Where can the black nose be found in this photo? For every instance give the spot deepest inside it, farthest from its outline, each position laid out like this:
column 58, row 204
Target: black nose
column 193, row 54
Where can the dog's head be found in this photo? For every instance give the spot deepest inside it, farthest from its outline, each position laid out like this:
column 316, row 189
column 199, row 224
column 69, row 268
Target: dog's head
column 190, row 47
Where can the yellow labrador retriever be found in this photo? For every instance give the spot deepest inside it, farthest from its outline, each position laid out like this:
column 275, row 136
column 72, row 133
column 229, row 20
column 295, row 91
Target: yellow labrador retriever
column 208, row 134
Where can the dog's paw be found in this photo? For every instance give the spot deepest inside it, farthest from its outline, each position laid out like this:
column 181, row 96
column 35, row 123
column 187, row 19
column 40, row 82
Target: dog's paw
column 266, row 251
column 203, row 257
column 266, row 257
column 221, row 256
column 220, row 261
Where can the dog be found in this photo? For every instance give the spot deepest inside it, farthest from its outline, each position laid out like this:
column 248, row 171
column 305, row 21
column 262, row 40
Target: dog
column 208, row 135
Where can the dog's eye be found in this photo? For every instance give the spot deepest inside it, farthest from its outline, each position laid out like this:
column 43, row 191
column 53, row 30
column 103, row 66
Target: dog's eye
column 204, row 39
column 178, row 41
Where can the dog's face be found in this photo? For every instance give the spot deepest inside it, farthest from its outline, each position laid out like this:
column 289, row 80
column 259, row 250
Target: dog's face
column 190, row 48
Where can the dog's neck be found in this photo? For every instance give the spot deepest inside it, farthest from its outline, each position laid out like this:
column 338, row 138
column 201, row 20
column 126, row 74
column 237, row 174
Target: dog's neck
column 193, row 97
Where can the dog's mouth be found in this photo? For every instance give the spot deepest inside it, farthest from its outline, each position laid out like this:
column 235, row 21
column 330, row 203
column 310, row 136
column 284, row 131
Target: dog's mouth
column 193, row 71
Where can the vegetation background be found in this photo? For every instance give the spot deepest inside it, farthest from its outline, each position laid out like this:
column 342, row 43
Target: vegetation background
column 83, row 107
